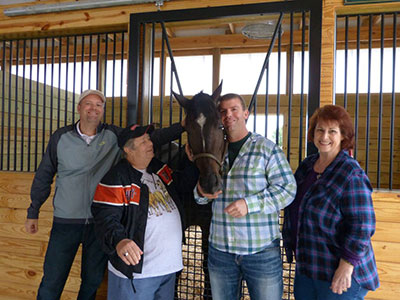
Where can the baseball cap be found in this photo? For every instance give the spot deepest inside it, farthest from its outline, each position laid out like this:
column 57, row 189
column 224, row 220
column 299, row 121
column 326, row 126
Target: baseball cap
column 133, row 131
column 92, row 92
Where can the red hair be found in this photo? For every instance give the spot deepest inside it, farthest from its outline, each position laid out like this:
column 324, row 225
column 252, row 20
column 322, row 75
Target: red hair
column 334, row 113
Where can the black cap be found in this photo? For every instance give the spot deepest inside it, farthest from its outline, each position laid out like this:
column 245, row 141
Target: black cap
column 133, row 131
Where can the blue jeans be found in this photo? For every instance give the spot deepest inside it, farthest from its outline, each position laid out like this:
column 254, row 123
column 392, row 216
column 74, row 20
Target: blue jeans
column 63, row 244
column 312, row 289
column 262, row 272
column 152, row 288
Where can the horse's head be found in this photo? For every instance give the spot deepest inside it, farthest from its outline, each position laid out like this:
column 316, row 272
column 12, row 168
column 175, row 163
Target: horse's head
column 206, row 137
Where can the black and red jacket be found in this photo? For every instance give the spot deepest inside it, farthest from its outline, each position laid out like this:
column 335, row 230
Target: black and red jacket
column 121, row 202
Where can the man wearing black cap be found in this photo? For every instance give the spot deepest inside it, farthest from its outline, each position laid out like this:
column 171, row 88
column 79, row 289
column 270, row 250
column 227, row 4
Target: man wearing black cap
column 80, row 154
column 138, row 218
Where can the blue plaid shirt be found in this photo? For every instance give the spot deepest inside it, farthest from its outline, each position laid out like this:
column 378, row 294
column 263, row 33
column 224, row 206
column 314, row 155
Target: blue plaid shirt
column 262, row 176
column 336, row 220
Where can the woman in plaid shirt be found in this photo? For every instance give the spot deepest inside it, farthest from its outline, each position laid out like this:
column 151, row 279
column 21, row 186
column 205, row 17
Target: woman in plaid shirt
column 330, row 223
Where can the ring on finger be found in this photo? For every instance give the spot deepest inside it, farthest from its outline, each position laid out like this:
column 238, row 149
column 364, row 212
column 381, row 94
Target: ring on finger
column 126, row 254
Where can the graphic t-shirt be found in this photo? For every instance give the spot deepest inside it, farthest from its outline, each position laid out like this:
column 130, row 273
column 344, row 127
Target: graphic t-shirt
column 162, row 253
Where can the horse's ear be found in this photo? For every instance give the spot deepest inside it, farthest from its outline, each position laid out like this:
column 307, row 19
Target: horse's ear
column 217, row 92
column 181, row 99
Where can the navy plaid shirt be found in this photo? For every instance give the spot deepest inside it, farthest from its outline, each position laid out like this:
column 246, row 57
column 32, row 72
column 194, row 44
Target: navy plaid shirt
column 336, row 220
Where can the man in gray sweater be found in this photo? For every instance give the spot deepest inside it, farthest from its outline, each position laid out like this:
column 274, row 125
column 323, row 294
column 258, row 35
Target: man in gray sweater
column 80, row 154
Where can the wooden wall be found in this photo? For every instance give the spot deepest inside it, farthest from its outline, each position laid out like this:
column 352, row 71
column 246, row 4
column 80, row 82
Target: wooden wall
column 22, row 254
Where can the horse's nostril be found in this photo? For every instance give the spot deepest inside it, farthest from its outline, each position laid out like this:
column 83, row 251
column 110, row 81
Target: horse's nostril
column 210, row 183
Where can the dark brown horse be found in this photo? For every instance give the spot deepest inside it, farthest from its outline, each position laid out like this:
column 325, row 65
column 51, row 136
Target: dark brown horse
column 205, row 137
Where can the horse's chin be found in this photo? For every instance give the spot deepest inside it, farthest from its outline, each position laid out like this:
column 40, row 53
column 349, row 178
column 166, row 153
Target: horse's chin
column 211, row 183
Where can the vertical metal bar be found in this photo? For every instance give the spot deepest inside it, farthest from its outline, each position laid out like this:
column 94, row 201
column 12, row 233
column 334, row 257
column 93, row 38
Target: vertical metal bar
column 105, row 73
column 393, row 108
column 30, row 106
column 44, row 98
column 346, row 56
column 59, row 83
column 23, row 105
column 357, row 87
column 151, row 104
column 303, row 40
column 266, row 97
column 3, row 101
column 113, row 78
column 9, row 105
column 278, row 92
column 368, row 118
column 66, row 83
column 378, row 170
column 291, row 53
column 98, row 68
column 82, row 62
column 122, row 78
column 52, row 84
column 133, row 71
column 162, row 63
column 16, row 105
column 74, row 81
column 314, row 83
column 37, row 103
column 90, row 61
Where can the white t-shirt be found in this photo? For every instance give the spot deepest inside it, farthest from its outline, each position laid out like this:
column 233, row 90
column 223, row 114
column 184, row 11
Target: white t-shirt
column 162, row 253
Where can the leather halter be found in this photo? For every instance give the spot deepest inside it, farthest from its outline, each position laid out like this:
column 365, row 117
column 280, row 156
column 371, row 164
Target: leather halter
column 212, row 156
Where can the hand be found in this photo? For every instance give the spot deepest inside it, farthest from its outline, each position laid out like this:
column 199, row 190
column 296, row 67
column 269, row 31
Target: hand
column 342, row 279
column 237, row 209
column 129, row 252
column 32, row 226
column 209, row 196
column 189, row 152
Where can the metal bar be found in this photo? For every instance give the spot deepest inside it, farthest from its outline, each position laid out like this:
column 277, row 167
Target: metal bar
column 291, row 54
column 30, row 106
column 59, row 84
column 23, row 105
column 278, row 90
column 37, row 104
column 74, row 81
column 66, row 84
column 266, row 98
column 3, row 100
column 15, row 106
column 90, row 61
column 143, row 51
column 392, row 117
column 171, row 56
column 314, row 83
column 71, row 6
column 271, row 46
column 122, row 78
column 9, row 106
column 356, row 113
column 368, row 118
column 98, row 68
column 82, row 62
column 52, row 85
column 133, row 71
column 152, row 58
column 378, row 171
column 162, row 71
column 346, row 56
column 105, row 74
column 44, row 98
column 303, row 39
column 113, row 79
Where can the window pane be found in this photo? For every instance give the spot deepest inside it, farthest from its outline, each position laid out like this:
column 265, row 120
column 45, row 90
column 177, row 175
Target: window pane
column 240, row 73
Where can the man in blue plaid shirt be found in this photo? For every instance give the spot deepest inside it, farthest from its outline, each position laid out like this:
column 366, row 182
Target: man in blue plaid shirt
column 244, row 235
